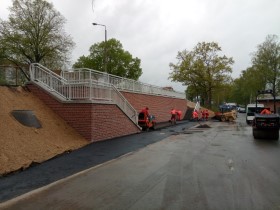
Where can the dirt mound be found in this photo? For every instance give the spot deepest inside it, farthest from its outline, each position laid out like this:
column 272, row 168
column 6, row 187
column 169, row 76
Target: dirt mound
column 22, row 146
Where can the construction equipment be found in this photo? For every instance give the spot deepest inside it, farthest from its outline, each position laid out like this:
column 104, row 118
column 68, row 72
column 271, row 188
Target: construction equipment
column 266, row 126
column 226, row 113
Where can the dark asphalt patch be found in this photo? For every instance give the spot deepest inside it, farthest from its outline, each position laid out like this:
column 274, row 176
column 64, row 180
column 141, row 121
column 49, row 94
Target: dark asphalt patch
column 203, row 126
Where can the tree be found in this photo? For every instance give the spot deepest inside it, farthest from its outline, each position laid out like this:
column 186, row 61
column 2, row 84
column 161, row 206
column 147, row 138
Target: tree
column 34, row 34
column 246, row 86
column 203, row 70
column 119, row 61
column 267, row 61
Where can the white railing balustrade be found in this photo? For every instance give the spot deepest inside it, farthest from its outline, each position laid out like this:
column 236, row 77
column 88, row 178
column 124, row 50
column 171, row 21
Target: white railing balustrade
column 122, row 84
column 80, row 86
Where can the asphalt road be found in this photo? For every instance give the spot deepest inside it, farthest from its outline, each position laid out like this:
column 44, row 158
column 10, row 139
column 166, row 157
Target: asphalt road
column 89, row 156
column 221, row 167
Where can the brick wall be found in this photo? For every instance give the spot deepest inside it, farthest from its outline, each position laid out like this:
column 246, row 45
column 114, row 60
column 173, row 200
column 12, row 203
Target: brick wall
column 159, row 106
column 95, row 122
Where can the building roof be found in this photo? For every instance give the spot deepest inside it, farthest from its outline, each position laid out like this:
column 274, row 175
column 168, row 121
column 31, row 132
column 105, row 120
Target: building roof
column 277, row 98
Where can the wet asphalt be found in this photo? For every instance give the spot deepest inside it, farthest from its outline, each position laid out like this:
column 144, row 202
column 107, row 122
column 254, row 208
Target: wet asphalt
column 215, row 166
column 69, row 163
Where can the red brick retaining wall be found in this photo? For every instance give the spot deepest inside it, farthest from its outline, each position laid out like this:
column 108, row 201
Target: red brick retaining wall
column 159, row 106
column 95, row 122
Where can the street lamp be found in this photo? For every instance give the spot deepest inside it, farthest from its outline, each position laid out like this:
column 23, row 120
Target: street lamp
column 105, row 48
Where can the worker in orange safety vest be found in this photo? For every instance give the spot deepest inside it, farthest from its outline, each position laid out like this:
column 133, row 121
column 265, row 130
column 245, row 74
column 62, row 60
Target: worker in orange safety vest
column 146, row 113
column 173, row 114
column 206, row 114
column 265, row 111
column 179, row 114
column 195, row 115
column 203, row 115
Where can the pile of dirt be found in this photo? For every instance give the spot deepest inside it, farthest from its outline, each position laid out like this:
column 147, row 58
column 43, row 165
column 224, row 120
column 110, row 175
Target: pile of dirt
column 22, row 146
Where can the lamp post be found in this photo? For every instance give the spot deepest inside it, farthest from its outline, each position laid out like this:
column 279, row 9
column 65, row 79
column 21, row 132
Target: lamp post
column 105, row 48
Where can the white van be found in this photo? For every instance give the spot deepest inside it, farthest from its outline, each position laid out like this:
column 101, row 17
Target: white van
column 250, row 111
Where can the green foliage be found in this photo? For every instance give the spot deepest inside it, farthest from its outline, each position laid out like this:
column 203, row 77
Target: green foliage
column 223, row 94
column 246, row 86
column 34, row 33
column 119, row 61
column 263, row 74
column 203, row 70
column 267, row 61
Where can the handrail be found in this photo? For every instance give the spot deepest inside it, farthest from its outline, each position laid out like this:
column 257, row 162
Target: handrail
column 90, row 90
column 120, row 83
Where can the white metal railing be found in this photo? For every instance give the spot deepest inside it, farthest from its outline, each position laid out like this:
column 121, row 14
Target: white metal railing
column 84, row 74
column 85, row 89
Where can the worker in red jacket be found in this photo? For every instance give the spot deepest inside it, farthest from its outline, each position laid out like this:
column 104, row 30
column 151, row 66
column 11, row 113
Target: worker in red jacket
column 206, row 114
column 146, row 112
column 265, row 111
column 179, row 114
column 195, row 115
column 173, row 114
column 203, row 113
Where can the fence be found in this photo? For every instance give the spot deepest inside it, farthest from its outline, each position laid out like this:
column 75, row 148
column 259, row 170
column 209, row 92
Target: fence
column 120, row 83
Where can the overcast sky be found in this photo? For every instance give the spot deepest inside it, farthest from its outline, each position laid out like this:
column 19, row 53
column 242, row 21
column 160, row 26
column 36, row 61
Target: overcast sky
column 155, row 30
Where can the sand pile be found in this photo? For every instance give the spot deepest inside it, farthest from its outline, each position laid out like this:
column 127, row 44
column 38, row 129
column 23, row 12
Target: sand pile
column 20, row 146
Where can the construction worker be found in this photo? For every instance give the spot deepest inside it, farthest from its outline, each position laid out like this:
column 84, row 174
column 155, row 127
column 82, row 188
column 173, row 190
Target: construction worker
column 146, row 112
column 195, row 115
column 179, row 114
column 206, row 114
column 265, row 111
column 203, row 115
column 173, row 114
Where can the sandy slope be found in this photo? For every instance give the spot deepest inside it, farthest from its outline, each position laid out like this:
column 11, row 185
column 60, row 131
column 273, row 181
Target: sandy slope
column 21, row 145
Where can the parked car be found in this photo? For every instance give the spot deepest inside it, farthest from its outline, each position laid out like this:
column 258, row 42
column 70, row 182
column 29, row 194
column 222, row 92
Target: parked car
column 242, row 110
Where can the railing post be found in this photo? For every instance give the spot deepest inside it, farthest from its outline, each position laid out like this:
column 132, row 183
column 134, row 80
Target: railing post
column 31, row 72
column 90, row 89
column 90, row 75
column 79, row 76
column 111, row 89
column 69, row 91
column 51, row 81
column 133, row 87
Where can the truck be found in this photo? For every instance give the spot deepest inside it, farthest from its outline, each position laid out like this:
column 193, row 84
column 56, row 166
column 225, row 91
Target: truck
column 265, row 126
column 251, row 109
